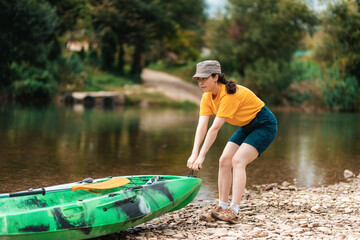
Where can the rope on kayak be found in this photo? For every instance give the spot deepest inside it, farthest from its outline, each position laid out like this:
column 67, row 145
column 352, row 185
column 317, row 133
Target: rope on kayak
column 132, row 181
column 191, row 174
column 148, row 181
column 153, row 180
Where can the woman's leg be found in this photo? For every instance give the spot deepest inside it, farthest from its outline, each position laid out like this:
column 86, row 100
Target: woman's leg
column 225, row 176
column 243, row 156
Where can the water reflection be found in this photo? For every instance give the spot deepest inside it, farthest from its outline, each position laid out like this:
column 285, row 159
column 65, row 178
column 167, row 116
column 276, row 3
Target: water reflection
column 53, row 145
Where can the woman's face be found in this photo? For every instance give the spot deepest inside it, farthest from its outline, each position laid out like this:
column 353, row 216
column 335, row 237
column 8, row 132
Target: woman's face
column 208, row 84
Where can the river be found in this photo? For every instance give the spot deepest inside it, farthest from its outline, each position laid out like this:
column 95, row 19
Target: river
column 43, row 146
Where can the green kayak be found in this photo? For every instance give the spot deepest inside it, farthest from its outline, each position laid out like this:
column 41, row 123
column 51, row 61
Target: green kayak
column 92, row 208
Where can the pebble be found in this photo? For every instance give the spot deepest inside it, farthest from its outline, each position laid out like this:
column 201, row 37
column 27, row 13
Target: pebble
column 315, row 224
column 348, row 173
column 348, row 210
column 316, row 209
column 272, row 211
column 179, row 235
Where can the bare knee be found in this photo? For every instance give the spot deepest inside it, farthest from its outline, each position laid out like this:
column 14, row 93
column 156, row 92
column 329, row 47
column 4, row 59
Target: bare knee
column 225, row 161
column 238, row 162
column 245, row 155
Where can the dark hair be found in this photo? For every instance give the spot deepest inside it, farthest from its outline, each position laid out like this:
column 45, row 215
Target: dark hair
column 229, row 85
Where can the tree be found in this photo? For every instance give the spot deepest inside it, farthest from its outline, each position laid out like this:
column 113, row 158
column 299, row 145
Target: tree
column 255, row 29
column 27, row 37
column 139, row 25
column 340, row 55
column 341, row 43
column 69, row 12
column 257, row 39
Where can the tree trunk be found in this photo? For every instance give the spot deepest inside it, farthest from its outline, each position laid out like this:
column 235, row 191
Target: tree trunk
column 108, row 50
column 121, row 62
column 136, row 64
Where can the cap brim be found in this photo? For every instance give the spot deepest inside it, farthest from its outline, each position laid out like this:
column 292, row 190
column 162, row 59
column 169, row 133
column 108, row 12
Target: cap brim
column 201, row 75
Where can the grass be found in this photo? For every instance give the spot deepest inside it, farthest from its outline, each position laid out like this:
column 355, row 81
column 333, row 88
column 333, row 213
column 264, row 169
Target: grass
column 155, row 99
column 98, row 80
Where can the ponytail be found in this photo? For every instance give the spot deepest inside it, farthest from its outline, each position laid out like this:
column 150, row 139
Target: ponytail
column 229, row 85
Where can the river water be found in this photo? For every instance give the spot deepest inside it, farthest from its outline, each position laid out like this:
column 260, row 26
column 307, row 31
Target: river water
column 54, row 145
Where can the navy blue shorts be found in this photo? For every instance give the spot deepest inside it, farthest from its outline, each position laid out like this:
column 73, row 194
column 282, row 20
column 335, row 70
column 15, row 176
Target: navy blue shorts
column 259, row 133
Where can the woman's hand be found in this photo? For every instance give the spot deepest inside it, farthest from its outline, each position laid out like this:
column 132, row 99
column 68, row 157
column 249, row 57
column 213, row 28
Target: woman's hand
column 197, row 165
column 191, row 160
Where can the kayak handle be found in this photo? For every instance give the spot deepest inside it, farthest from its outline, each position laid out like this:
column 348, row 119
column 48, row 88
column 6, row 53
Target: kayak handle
column 111, row 204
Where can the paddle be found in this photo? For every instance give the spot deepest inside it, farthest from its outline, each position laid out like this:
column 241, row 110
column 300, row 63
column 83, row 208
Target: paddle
column 112, row 183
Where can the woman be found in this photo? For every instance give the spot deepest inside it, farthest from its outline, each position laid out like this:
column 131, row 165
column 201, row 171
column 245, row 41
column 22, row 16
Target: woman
column 238, row 106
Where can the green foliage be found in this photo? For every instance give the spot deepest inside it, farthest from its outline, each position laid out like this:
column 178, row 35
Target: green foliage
column 28, row 31
column 269, row 79
column 98, row 80
column 257, row 39
column 27, row 41
column 261, row 29
column 341, row 44
column 184, row 47
column 33, row 84
column 340, row 54
column 157, row 100
column 145, row 24
column 69, row 72
column 304, row 69
column 189, row 19
column 341, row 93
column 255, row 43
column 68, row 11
column 125, row 31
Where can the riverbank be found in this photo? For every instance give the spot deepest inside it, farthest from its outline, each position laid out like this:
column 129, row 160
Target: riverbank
column 271, row 211
column 158, row 89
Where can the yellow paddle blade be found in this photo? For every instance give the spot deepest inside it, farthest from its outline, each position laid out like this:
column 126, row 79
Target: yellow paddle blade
column 112, row 183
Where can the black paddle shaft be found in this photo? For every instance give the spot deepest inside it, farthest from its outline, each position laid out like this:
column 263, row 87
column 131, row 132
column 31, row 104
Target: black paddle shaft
column 26, row 193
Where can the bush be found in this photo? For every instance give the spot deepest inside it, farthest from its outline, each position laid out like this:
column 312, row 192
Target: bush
column 305, row 70
column 33, row 84
column 340, row 46
column 256, row 29
column 340, row 92
column 269, row 79
column 70, row 73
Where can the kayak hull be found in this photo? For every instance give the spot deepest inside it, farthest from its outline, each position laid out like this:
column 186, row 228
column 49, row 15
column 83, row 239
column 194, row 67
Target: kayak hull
column 87, row 214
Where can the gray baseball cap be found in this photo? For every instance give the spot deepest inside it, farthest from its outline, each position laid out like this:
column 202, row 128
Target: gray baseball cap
column 205, row 68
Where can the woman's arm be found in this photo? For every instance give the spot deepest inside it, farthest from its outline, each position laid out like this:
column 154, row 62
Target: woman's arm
column 199, row 137
column 200, row 133
column 209, row 140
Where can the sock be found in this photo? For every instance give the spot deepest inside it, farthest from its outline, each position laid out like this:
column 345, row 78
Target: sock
column 223, row 205
column 235, row 207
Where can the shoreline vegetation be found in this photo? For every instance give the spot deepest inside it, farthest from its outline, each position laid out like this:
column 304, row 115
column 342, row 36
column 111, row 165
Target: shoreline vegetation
column 141, row 94
column 270, row 211
column 285, row 51
column 154, row 89
column 149, row 94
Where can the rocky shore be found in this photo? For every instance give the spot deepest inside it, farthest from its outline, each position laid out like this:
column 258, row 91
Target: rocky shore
column 272, row 211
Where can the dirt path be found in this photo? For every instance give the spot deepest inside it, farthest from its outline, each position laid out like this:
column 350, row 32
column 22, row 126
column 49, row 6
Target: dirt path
column 171, row 86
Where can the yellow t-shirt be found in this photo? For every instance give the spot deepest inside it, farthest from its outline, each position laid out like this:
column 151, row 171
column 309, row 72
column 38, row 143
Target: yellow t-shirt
column 239, row 108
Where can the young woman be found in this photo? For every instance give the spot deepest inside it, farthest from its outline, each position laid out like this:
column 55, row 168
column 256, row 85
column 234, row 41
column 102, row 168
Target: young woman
column 238, row 106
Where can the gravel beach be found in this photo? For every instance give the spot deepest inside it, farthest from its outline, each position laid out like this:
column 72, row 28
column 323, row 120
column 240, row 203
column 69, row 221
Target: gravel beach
column 272, row 211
